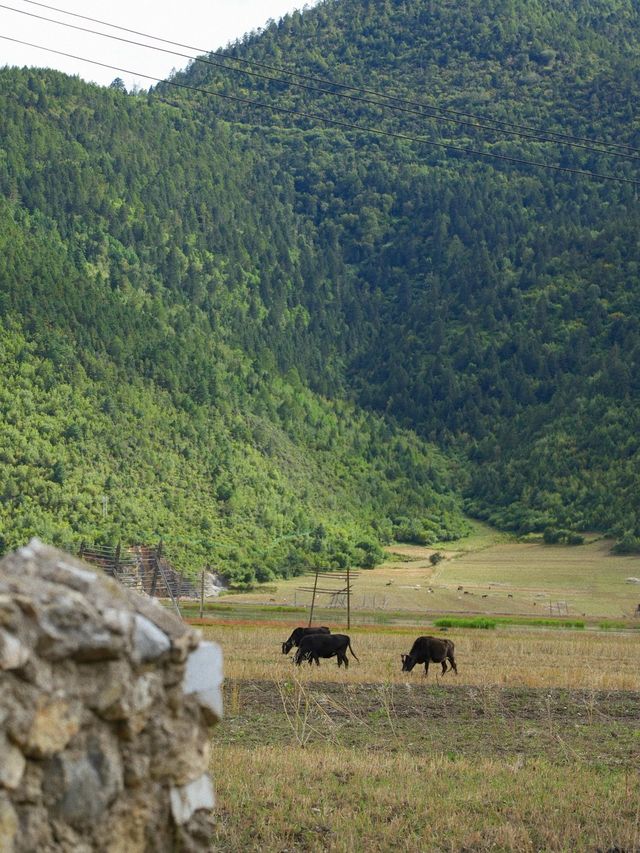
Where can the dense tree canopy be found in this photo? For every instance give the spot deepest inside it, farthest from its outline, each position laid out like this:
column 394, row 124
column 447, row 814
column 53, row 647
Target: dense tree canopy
column 248, row 331
column 497, row 305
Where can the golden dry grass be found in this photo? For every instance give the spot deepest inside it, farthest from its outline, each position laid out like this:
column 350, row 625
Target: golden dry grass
column 497, row 578
column 507, row 656
column 341, row 800
column 532, row 747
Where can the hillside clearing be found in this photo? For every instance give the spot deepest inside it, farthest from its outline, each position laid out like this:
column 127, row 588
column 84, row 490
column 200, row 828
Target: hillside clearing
column 516, row 578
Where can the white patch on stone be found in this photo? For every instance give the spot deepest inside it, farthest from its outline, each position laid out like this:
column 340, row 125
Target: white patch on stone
column 118, row 621
column 80, row 574
column 13, row 654
column 203, row 677
column 149, row 642
column 190, row 798
column 12, row 764
column 26, row 552
column 144, row 692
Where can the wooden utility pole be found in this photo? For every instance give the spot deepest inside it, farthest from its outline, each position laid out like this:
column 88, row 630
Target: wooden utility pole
column 179, row 592
column 156, row 569
column 313, row 600
column 202, row 591
column 348, row 599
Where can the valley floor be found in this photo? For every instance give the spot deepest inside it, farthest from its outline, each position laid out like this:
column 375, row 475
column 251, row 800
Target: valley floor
column 534, row 746
column 340, row 767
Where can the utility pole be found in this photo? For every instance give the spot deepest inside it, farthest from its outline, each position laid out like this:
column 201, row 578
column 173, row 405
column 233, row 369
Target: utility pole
column 313, row 600
column 202, row 591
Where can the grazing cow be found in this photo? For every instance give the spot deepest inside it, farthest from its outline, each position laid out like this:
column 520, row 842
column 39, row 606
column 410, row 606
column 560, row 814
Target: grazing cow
column 428, row 649
column 297, row 634
column 316, row 646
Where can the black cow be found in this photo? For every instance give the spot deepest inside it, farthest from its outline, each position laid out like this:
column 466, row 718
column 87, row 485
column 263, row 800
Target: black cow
column 297, row 634
column 427, row 649
column 316, row 646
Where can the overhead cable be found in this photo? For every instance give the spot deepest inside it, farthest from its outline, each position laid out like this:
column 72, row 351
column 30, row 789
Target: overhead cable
column 336, row 122
column 507, row 127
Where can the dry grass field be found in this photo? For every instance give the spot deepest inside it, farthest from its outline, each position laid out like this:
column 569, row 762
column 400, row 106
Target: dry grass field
column 534, row 746
column 507, row 656
column 495, row 576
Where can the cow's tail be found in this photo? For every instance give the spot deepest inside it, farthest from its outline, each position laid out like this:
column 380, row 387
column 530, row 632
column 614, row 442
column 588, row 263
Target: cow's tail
column 352, row 652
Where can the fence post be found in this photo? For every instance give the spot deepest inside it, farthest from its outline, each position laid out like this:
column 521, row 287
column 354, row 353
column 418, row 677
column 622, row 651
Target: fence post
column 202, row 592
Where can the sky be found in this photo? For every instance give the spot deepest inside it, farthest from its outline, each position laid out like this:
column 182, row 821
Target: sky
column 205, row 26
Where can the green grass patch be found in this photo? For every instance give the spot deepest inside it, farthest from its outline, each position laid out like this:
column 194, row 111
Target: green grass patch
column 492, row 622
column 540, row 623
column 241, row 610
column 462, row 622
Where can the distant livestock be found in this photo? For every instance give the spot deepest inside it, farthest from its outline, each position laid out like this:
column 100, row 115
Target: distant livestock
column 430, row 649
column 316, row 646
column 297, row 634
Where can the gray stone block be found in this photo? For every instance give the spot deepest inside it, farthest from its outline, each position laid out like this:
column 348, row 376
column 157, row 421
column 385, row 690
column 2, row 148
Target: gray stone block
column 188, row 799
column 149, row 642
column 203, row 678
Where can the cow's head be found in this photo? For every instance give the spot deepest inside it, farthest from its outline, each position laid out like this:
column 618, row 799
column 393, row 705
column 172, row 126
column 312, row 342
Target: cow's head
column 300, row 655
column 408, row 662
column 287, row 646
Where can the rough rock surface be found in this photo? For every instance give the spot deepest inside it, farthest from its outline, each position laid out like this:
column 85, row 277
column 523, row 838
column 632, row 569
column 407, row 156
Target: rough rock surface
column 105, row 703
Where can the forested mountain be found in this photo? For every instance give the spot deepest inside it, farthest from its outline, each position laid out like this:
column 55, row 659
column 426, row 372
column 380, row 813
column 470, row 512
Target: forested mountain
column 151, row 328
column 498, row 305
column 246, row 332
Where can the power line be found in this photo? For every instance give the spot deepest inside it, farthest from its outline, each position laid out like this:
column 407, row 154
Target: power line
column 335, row 84
column 356, row 98
column 336, row 122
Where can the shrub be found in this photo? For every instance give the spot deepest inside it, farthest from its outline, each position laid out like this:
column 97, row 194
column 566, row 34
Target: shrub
column 629, row 544
column 551, row 536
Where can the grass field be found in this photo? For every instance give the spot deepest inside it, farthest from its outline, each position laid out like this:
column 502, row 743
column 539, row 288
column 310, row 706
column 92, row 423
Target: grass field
column 534, row 746
column 509, row 656
column 489, row 575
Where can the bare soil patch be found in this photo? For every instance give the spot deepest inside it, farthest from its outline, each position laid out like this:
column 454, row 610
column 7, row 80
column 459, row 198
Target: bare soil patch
column 598, row 728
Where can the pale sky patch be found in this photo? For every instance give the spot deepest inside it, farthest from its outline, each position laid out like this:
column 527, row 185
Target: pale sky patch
column 205, row 26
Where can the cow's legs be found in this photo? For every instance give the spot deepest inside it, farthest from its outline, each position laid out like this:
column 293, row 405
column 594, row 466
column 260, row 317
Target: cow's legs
column 426, row 668
column 453, row 664
column 342, row 658
column 444, row 666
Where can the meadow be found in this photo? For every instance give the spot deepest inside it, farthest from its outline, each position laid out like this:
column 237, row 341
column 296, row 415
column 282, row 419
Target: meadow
column 534, row 746
column 488, row 573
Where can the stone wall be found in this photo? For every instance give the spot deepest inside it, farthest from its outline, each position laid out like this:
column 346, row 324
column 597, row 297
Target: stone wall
column 105, row 705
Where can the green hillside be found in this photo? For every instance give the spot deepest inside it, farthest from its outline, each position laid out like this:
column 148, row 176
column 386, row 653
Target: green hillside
column 275, row 342
column 498, row 305
column 150, row 331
